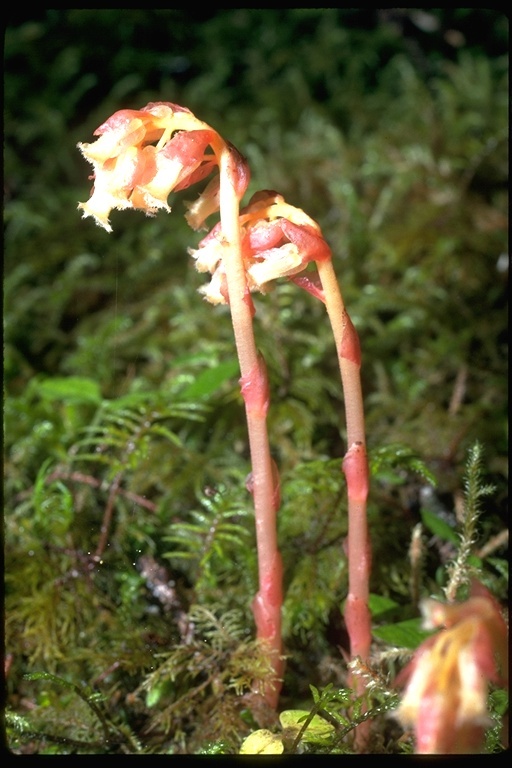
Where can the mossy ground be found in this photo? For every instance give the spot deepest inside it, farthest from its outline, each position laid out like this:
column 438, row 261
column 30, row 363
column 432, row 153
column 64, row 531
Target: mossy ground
column 129, row 542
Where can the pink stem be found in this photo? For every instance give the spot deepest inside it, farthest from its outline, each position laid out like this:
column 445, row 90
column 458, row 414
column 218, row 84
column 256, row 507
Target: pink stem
column 254, row 387
column 355, row 468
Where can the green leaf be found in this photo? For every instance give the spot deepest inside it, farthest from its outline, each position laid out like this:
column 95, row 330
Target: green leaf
column 262, row 742
column 404, row 634
column 173, row 438
column 501, row 565
column 499, row 701
column 207, row 382
column 379, row 604
column 319, row 731
column 438, row 526
column 70, row 389
column 51, row 678
column 154, row 695
column 53, row 505
column 131, row 400
column 387, row 459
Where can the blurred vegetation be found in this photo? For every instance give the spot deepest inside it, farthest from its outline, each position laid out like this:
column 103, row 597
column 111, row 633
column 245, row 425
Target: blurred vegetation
column 129, row 542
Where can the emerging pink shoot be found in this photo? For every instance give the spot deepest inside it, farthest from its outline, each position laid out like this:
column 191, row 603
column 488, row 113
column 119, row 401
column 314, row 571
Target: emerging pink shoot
column 445, row 700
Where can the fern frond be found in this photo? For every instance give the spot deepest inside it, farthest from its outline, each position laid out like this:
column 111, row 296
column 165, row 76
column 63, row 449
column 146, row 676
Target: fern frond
column 387, row 459
column 200, row 685
column 120, row 436
column 214, row 539
column 225, row 630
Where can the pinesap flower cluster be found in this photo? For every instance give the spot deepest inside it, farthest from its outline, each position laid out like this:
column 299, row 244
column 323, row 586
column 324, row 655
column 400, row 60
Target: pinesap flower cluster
column 445, row 700
column 141, row 156
column 278, row 240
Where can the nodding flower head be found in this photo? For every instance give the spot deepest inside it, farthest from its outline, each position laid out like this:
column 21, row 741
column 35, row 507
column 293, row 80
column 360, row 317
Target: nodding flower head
column 278, row 240
column 141, row 156
column 445, row 700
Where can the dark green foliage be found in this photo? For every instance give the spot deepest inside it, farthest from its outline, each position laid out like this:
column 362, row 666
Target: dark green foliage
column 201, row 687
column 129, row 541
column 215, row 546
column 312, row 528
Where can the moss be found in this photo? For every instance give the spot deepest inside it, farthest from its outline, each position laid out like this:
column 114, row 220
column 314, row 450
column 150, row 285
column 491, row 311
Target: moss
column 124, row 436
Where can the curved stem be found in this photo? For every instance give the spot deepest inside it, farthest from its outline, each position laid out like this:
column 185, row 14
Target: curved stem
column 348, row 350
column 254, row 387
column 355, row 467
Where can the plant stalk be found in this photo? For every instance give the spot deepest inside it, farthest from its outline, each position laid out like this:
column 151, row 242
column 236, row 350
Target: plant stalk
column 254, row 387
column 355, row 468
